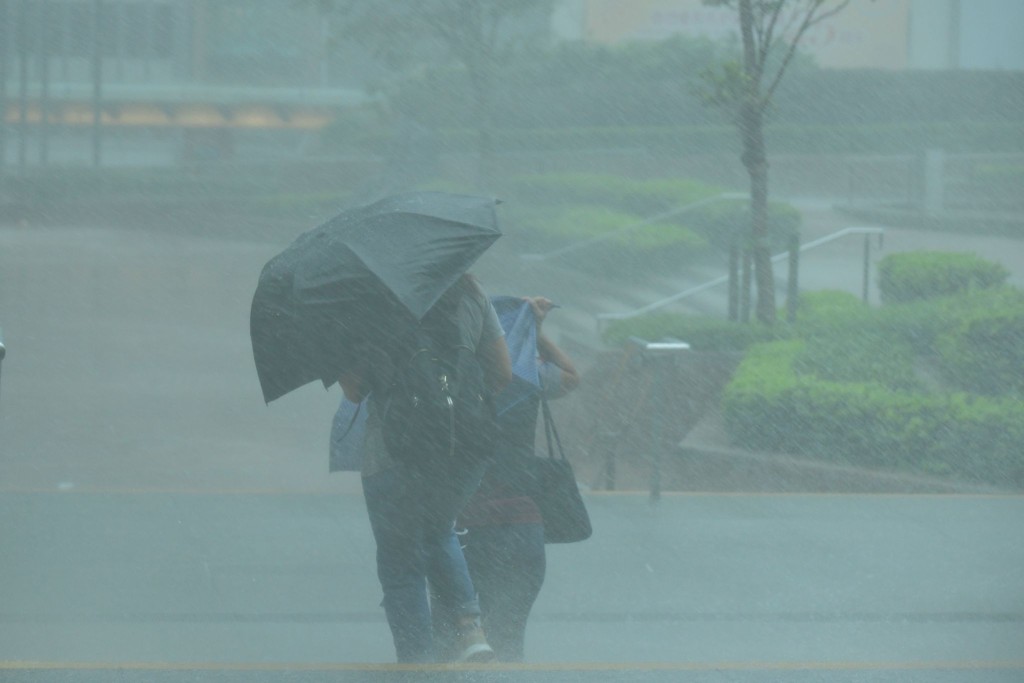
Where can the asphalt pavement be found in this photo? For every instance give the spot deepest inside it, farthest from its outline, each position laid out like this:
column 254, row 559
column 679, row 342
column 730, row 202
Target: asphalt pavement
column 207, row 586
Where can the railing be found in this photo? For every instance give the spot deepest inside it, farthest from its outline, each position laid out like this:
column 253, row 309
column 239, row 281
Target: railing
column 3, row 352
column 866, row 231
column 679, row 210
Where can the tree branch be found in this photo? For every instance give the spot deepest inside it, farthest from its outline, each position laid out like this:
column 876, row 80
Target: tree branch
column 829, row 14
column 809, row 20
column 769, row 34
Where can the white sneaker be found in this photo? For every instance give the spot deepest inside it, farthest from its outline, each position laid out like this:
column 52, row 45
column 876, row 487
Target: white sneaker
column 472, row 646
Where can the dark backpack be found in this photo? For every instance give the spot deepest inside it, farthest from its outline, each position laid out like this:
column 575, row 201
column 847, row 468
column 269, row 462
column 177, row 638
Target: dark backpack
column 438, row 408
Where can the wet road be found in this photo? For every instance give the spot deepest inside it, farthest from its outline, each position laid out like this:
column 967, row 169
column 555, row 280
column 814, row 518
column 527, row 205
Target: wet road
column 716, row 587
column 159, row 522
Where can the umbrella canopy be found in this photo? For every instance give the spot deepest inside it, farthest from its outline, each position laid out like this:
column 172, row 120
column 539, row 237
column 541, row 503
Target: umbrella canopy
column 364, row 277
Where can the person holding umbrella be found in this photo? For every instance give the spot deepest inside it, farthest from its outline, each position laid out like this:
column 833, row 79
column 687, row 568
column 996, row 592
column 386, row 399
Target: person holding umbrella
column 335, row 306
column 412, row 510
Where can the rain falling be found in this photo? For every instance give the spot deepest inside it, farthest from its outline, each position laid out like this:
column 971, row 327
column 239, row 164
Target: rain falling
column 525, row 340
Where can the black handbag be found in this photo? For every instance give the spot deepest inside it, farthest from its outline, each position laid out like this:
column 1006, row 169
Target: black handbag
column 551, row 483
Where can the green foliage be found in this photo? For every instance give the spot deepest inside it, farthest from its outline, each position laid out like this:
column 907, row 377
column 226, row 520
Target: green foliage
column 619, row 193
column 698, row 138
column 768, row 405
column 921, row 322
column 627, row 201
column 828, row 307
column 727, row 223
column 910, row 276
column 851, row 354
column 614, row 247
column 1006, row 176
column 702, row 333
column 653, row 95
column 88, row 184
column 984, row 353
column 844, row 343
column 556, row 209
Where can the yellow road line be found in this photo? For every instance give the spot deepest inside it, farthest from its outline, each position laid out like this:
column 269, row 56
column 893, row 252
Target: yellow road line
column 624, row 493
column 537, row 667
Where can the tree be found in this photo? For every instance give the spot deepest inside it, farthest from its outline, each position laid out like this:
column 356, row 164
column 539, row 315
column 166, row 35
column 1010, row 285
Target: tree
column 770, row 32
column 475, row 34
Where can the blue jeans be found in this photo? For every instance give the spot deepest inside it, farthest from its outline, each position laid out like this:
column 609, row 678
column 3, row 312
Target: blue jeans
column 412, row 515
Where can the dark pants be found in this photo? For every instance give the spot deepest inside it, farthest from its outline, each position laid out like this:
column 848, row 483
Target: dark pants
column 507, row 564
column 413, row 520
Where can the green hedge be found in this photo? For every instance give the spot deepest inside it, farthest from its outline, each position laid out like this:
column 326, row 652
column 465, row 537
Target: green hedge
column 536, row 202
column 770, row 406
column 630, row 195
column 985, row 353
column 607, row 244
column 884, row 138
column 274, row 184
column 910, row 276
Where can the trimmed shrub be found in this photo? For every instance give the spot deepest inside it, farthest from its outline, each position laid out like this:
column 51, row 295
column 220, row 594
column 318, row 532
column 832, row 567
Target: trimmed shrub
column 985, row 352
column 768, row 405
column 843, row 343
column 615, row 249
column 910, row 276
column 830, row 308
column 859, row 355
column 618, row 193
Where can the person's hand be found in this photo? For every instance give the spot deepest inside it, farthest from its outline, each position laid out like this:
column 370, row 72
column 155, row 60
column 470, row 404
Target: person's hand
column 540, row 305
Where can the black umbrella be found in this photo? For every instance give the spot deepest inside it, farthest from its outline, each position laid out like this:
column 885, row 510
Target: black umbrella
column 364, row 277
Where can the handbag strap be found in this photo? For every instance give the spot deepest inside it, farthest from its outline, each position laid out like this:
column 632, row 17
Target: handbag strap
column 550, row 431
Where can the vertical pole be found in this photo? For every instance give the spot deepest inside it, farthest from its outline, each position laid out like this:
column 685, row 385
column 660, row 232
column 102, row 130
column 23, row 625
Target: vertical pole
column 953, row 44
column 793, row 284
column 22, row 86
column 734, row 284
column 149, row 28
column 66, row 32
column 849, row 182
column 3, row 350
column 45, row 37
column 97, row 82
column 867, row 265
column 119, row 36
column 745, row 287
column 4, row 33
column 659, row 407
column 609, row 467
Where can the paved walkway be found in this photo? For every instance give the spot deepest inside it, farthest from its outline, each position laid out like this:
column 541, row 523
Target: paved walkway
column 226, row 587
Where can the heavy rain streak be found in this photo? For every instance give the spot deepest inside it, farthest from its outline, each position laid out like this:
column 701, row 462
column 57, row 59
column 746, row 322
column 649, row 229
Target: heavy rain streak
column 511, row 340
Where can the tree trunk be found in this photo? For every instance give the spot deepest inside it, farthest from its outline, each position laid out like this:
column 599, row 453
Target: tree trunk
column 755, row 160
